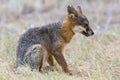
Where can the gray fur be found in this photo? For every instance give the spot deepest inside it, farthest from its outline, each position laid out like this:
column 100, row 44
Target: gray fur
column 47, row 36
column 34, row 56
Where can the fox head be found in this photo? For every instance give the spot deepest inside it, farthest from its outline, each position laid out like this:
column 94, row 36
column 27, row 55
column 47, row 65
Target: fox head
column 79, row 19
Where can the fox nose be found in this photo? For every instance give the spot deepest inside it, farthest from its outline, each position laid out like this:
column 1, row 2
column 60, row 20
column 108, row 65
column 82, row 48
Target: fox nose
column 92, row 33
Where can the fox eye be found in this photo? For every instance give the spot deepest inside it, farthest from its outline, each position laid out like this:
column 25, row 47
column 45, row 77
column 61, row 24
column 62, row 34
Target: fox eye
column 85, row 25
column 76, row 15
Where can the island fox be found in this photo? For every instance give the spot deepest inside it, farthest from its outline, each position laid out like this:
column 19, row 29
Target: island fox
column 40, row 44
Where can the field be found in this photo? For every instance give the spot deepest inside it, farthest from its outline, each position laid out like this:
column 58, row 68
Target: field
column 90, row 58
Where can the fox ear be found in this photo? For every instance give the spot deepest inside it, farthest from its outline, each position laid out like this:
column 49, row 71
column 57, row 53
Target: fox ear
column 71, row 11
column 79, row 8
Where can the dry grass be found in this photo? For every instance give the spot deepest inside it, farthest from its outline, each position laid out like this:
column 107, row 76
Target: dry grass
column 93, row 58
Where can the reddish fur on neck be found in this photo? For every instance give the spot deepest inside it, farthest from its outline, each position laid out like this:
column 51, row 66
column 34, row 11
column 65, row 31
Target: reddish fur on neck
column 66, row 30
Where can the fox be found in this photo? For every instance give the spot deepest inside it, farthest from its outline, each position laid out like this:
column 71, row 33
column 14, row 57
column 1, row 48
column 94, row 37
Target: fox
column 43, row 44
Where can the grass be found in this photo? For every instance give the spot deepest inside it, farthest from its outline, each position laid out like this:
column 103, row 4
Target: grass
column 93, row 58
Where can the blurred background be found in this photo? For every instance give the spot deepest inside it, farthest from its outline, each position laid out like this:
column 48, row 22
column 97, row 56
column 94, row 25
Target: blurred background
column 17, row 14
column 94, row 58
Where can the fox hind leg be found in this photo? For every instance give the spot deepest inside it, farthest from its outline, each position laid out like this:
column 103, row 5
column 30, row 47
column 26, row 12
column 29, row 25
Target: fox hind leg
column 36, row 56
